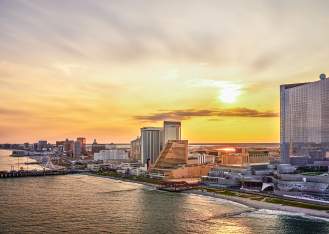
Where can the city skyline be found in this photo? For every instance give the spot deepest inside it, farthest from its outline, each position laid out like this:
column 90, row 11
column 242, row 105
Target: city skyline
column 105, row 69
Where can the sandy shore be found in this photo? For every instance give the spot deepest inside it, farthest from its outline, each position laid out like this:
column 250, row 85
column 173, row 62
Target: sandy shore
column 123, row 179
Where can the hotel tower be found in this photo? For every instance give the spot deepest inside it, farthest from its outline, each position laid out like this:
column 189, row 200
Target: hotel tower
column 304, row 118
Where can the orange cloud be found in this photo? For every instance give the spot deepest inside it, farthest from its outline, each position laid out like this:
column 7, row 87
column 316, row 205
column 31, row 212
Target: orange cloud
column 190, row 113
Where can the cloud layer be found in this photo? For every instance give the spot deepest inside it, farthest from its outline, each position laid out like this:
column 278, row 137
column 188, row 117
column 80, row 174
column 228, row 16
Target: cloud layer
column 95, row 68
column 190, row 113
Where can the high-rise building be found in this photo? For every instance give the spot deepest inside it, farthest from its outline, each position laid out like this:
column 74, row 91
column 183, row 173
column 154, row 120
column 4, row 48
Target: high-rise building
column 77, row 149
column 171, row 131
column 68, row 147
column 304, row 117
column 150, row 144
column 135, row 146
column 82, row 141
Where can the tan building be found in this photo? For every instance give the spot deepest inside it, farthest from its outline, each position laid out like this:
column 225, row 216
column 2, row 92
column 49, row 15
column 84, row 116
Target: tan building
column 135, row 153
column 232, row 159
column 68, row 147
column 257, row 156
column 174, row 153
column 171, row 131
column 245, row 157
column 173, row 163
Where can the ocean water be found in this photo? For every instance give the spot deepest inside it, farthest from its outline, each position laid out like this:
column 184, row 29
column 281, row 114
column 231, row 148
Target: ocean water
column 89, row 204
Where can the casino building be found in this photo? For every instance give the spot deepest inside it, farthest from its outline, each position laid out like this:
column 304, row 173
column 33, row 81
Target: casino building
column 304, row 119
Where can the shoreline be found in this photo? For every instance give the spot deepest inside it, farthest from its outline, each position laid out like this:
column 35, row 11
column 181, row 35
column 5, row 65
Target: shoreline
column 252, row 204
column 259, row 205
column 122, row 179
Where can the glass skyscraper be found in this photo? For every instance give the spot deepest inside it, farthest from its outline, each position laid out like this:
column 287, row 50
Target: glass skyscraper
column 304, row 118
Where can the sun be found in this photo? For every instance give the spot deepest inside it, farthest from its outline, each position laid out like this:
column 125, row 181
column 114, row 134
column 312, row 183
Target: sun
column 228, row 93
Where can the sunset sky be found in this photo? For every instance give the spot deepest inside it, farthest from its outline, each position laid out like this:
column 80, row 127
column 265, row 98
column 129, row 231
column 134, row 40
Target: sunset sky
column 104, row 69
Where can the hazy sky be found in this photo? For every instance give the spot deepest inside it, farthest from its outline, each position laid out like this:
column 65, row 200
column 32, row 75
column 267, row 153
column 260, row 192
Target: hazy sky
column 104, row 69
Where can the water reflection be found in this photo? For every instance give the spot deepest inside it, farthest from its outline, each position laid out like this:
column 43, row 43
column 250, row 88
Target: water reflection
column 86, row 204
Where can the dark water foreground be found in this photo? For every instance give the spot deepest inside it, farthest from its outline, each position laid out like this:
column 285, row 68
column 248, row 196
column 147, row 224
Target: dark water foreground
column 87, row 204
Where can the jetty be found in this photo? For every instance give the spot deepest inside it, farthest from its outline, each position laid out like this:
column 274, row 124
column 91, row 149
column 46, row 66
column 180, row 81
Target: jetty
column 176, row 186
column 33, row 173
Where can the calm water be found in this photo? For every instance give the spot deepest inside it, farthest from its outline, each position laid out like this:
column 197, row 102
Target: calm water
column 87, row 204
column 7, row 162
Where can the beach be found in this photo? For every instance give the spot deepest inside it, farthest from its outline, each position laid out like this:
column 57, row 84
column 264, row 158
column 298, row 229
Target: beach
column 253, row 204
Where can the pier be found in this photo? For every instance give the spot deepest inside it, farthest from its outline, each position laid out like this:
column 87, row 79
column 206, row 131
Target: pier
column 33, row 173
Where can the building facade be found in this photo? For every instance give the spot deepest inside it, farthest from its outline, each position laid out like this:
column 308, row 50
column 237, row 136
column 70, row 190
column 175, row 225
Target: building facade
column 171, row 131
column 77, row 149
column 111, row 154
column 68, row 147
column 95, row 147
column 82, row 141
column 245, row 157
column 135, row 146
column 42, row 145
column 150, row 144
column 304, row 117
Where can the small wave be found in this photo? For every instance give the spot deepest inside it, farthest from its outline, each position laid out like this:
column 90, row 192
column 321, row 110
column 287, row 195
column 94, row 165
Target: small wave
column 284, row 213
column 230, row 214
column 218, row 199
column 117, row 191
column 149, row 188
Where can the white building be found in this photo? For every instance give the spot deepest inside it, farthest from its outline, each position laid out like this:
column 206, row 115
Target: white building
column 112, row 154
column 134, row 169
column 198, row 158
column 150, row 144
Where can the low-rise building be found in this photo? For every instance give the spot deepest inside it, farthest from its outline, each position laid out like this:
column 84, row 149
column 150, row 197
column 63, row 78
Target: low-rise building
column 253, row 177
column 303, row 185
column 244, row 157
column 93, row 166
column 201, row 158
column 134, row 169
column 112, row 154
